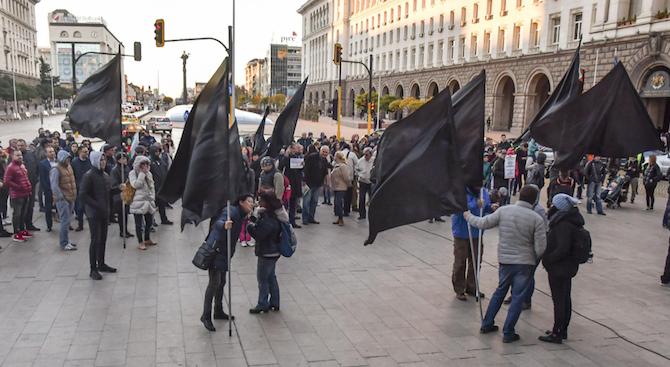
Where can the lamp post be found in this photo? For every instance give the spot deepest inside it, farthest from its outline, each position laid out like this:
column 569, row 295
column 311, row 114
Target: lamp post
column 12, row 39
column 184, row 95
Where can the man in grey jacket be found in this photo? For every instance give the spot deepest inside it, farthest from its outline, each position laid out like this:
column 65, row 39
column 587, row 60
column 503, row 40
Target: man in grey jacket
column 522, row 242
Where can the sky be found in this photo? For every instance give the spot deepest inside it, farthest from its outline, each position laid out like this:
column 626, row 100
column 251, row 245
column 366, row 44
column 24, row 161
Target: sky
column 133, row 21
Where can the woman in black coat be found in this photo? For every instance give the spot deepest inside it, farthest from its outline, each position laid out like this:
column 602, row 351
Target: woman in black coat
column 266, row 232
column 651, row 177
column 564, row 221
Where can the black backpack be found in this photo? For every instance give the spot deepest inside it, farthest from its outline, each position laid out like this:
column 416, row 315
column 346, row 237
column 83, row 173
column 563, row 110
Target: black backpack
column 581, row 246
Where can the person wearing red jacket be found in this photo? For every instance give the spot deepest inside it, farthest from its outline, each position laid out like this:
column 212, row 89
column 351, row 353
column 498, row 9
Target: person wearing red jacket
column 20, row 189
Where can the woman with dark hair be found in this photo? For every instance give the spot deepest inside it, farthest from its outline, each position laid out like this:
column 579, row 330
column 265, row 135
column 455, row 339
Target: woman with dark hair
column 217, row 237
column 651, row 177
column 266, row 232
column 74, row 150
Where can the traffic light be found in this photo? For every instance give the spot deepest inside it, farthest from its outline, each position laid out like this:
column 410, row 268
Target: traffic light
column 138, row 51
column 365, row 104
column 160, row 32
column 372, row 106
column 338, row 54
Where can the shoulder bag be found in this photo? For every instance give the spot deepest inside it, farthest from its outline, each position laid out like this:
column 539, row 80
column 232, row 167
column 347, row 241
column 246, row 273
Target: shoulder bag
column 204, row 257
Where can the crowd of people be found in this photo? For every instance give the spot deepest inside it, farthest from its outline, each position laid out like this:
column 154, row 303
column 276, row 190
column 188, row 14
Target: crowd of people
column 69, row 180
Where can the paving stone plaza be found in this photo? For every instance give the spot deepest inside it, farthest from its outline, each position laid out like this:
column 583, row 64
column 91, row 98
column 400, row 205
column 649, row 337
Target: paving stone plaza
column 342, row 304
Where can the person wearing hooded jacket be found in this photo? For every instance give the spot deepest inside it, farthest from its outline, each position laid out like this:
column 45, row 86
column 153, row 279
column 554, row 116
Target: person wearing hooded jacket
column 159, row 170
column 564, row 221
column 95, row 192
column 143, row 206
column 115, row 180
column 63, row 187
column 266, row 232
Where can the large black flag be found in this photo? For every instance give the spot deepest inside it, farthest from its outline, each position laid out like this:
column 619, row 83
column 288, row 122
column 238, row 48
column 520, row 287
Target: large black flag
column 608, row 120
column 569, row 87
column 238, row 176
column 96, row 110
column 202, row 173
column 259, row 139
column 468, row 105
column 284, row 129
column 419, row 173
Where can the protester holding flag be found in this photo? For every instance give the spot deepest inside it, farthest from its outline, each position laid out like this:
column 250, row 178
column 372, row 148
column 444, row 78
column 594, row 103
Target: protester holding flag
column 143, row 206
column 116, row 179
column 230, row 218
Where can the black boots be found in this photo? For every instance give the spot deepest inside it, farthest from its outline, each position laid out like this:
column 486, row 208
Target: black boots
column 219, row 314
column 208, row 323
column 551, row 338
column 106, row 268
column 95, row 275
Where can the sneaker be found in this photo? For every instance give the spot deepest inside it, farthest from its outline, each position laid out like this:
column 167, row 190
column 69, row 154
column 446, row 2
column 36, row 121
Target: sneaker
column 6, row 222
column 79, row 229
column 68, row 247
column 95, row 275
column 601, row 213
column 257, row 310
column 491, row 329
column 512, row 339
column 251, row 243
column 461, row 297
column 26, row 235
column 243, row 243
column 18, row 238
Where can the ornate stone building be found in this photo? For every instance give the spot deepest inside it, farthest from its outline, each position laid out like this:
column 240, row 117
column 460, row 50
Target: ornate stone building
column 419, row 47
column 19, row 40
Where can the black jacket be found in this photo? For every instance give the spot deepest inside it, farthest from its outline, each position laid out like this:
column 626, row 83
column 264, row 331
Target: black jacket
column 294, row 176
column 80, row 168
column 595, row 172
column 158, row 169
column 557, row 186
column 499, row 174
column 557, row 258
column 652, row 173
column 111, row 163
column 315, row 170
column 633, row 169
column 32, row 166
column 95, row 191
column 266, row 233
column 218, row 235
column 115, row 180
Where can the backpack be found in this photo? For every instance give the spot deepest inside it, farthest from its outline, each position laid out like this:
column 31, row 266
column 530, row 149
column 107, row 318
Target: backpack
column 287, row 240
column 287, row 189
column 581, row 247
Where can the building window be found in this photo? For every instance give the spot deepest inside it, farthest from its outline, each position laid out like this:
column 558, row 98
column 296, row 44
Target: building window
column 451, row 49
column 406, row 32
column 390, row 60
column 399, row 12
column 555, row 30
column 378, row 37
column 432, row 24
column 503, row 8
column 475, row 13
column 366, row 44
column 518, row 37
column 63, row 34
column 502, row 40
column 519, row 3
column 413, row 30
column 423, row 28
column 535, row 34
column 463, row 15
column 379, row 20
column 391, row 15
column 430, row 54
column 397, row 35
column 489, row 9
column 440, row 51
column 577, row 26
column 367, row 22
column 414, row 6
column 404, row 61
column 391, row 37
column 385, row 17
column 475, row 45
column 406, row 10
column 487, row 43
column 412, row 60
column 383, row 62
column 462, row 53
column 421, row 56
column 452, row 19
column 384, row 39
column 373, row 22
column 441, row 22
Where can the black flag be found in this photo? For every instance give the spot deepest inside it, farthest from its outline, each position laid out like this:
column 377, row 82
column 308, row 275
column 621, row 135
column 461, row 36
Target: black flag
column 96, row 110
column 569, row 87
column 468, row 106
column 284, row 130
column 200, row 172
column 419, row 172
column 238, row 176
column 609, row 120
column 259, row 139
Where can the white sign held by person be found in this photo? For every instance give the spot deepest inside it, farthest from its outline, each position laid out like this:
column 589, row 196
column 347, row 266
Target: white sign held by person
column 510, row 166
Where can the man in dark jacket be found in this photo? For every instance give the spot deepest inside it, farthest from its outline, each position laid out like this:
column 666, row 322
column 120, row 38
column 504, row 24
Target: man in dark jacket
column 521, row 155
column 565, row 221
column 633, row 171
column 499, row 171
column 31, row 164
column 594, row 174
column 564, row 184
column 159, row 171
column 80, row 166
column 115, row 180
column 315, row 170
column 45, row 167
column 294, row 176
column 95, row 192
column 147, row 139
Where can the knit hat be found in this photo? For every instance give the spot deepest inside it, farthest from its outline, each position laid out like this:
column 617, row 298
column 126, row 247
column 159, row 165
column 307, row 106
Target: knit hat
column 564, row 202
column 267, row 162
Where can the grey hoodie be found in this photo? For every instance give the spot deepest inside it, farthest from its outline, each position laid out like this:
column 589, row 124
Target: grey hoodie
column 54, row 175
column 95, row 159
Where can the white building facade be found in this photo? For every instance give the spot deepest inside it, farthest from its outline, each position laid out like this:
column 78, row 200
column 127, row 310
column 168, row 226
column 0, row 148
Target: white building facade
column 19, row 40
column 420, row 47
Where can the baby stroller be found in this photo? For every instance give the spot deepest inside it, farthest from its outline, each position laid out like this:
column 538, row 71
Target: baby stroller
column 616, row 192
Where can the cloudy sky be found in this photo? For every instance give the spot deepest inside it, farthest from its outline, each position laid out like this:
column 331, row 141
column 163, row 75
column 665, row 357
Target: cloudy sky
column 131, row 21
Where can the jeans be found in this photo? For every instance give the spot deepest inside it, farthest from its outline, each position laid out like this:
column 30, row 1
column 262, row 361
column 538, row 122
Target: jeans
column 560, row 295
column 348, row 196
column 267, row 283
column 4, row 194
column 48, row 206
column 666, row 215
column 665, row 278
column 96, row 252
column 462, row 256
column 292, row 206
column 148, row 222
column 528, row 297
column 161, row 204
column 40, row 193
column 593, row 194
column 79, row 210
column 327, row 194
column 20, row 208
column 519, row 278
column 518, row 184
column 217, row 279
column 29, row 211
column 633, row 188
column 65, row 209
column 123, row 220
column 365, row 188
column 309, row 202
column 339, row 203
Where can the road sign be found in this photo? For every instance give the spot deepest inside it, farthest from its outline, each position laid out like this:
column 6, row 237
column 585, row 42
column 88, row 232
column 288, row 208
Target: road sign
column 186, row 115
column 510, row 166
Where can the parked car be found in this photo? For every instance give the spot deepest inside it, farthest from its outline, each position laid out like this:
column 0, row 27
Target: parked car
column 129, row 118
column 65, row 124
column 159, row 124
column 662, row 159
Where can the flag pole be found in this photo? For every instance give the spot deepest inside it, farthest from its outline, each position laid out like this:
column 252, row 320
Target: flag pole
column 123, row 170
column 231, row 45
column 478, row 265
column 472, row 253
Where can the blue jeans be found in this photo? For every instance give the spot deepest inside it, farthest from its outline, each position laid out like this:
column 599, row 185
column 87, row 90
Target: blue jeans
column 327, row 194
column 79, row 209
column 267, row 283
column 666, row 215
column 519, row 277
column 48, row 207
column 339, row 203
column 309, row 201
column 65, row 209
column 593, row 193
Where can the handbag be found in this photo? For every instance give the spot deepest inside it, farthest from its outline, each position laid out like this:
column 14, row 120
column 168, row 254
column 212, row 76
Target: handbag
column 128, row 194
column 205, row 255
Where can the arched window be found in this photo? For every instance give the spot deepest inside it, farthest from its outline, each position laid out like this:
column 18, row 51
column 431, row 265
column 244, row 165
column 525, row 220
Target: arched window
column 76, row 34
column 63, row 34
